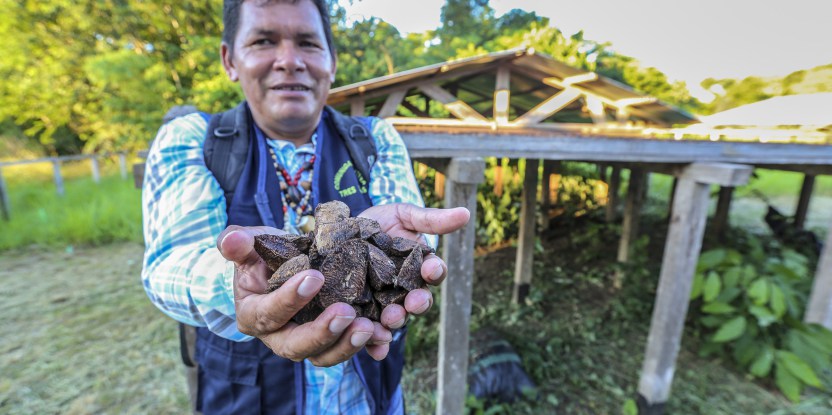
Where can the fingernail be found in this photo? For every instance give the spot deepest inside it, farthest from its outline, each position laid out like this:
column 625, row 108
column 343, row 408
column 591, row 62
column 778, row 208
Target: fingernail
column 360, row 338
column 424, row 307
column 340, row 323
column 437, row 272
column 226, row 237
column 309, row 286
column 399, row 324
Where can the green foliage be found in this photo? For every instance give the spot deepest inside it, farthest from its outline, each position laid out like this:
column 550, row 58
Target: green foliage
column 88, row 214
column 748, row 304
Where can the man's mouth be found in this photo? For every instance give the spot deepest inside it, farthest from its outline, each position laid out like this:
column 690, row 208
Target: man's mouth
column 291, row 87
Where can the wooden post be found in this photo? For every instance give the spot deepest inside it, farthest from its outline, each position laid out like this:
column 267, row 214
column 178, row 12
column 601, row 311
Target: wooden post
column 549, row 168
column 819, row 309
column 5, row 207
column 612, row 194
column 96, row 171
column 455, row 308
column 723, row 208
column 803, row 202
column 525, row 244
column 439, row 184
column 632, row 213
column 59, row 180
column 684, row 241
column 122, row 164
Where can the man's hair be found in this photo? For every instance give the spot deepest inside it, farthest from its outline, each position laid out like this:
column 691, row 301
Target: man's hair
column 231, row 21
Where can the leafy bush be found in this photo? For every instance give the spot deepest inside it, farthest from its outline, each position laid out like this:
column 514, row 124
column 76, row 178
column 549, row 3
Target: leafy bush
column 748, row 305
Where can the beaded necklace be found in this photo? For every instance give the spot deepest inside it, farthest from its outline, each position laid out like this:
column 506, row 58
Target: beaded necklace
column 291, row 196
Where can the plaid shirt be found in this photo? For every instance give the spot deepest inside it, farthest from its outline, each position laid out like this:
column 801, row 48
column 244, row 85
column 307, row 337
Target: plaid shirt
column 184, row 212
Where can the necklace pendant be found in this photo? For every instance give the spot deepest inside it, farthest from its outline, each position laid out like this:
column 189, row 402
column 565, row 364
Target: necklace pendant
column 307, row 224
column 294, row 194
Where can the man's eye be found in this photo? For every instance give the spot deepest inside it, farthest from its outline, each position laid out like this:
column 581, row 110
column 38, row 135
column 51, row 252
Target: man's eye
column 308, row 44
column 262, row 42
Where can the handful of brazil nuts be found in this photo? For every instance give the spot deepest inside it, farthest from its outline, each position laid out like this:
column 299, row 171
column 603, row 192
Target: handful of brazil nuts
column 362, row 265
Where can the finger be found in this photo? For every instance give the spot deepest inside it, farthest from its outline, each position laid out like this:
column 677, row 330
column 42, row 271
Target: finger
column 418, row 301
column 236, row 243
column 431, row 220
column 304, row 341
column 434, row 270
column 379, row 351
column 393, row 316
column 259, row 314
column 351, row 342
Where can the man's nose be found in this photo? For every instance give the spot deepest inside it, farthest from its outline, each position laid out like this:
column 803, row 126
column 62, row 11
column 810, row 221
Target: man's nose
column 289, row 58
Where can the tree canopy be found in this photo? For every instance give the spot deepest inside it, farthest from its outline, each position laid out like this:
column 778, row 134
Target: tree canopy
column 97, row 75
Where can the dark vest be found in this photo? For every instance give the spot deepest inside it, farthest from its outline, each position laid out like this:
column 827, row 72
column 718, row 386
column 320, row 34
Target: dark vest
column 247, row 377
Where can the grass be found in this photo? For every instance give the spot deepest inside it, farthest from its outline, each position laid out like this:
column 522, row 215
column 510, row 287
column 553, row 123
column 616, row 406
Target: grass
column 88, row 214
column 79, row 336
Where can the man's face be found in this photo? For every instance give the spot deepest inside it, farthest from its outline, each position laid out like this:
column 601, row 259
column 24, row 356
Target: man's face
column 283, row 64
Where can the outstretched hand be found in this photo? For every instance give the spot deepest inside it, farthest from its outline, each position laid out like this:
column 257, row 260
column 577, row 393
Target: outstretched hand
column 409, row 221
column 337, row 334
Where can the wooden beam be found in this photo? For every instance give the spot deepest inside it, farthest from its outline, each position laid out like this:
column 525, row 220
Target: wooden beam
column 391, row 104
column 525, row 245
column 803, row 203
column 456, row 107
column 579, row 79
column 486, row 143
column 502, row 95
column 819, row 309
column 357, row 107
column 684, row 241
column 59, row 179
column 723, row 209
column 548, row 107
column 414, row 109
column 632, row 214
column 5, row 207
column 447, row 123
column 612, row 195
column 549, row 168
column 464, row 174
column 815, row 170
column 440, row 165
column 596, row 110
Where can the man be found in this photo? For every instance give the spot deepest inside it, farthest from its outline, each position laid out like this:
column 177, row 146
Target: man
column 252, row 358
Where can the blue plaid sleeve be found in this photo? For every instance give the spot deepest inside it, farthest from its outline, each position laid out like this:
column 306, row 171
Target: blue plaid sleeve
column 183, row 213
column 391, row 178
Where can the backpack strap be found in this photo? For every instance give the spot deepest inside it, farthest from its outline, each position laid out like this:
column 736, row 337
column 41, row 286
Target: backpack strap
column 226, row 147
column 357, row 137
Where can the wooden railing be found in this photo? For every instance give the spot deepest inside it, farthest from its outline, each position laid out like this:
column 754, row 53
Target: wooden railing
column 57, row 176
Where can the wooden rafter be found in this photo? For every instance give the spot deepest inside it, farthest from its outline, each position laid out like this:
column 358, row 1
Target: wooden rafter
column 357, row 106
column 502, row 95
column 548, row 107
column 391, row 104
column 454, row 105
column 596, row 109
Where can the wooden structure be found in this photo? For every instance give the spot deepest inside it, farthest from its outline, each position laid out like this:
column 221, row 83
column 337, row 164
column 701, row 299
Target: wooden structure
column 520, row 104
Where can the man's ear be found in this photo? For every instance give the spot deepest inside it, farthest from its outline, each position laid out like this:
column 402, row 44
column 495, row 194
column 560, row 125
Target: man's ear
column 228, row 62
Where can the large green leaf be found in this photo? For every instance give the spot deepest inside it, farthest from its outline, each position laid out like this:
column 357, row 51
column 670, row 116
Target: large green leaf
column 717, row 308
column 749, row 273
column 759, row 291
column 797, row 367
column 710, row 259
column 731, row 277
column 731, row 330
column 713, row 285
column 778, row 301
column 696, row 287
column 764, row 316
column 762, row 364
column 786, row 382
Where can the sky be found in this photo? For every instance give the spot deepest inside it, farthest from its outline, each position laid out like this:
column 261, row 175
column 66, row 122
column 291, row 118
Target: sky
column 688, row 41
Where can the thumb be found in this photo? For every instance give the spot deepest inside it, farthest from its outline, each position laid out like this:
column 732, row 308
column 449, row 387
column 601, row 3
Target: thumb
column 434, row 221
column 236, row 243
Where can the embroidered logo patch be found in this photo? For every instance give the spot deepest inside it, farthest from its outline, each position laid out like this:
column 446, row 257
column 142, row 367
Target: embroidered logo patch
column 351, row 190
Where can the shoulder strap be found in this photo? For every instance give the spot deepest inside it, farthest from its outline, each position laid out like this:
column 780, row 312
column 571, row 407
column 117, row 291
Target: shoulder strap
column 357, row 137
column 226, row 147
